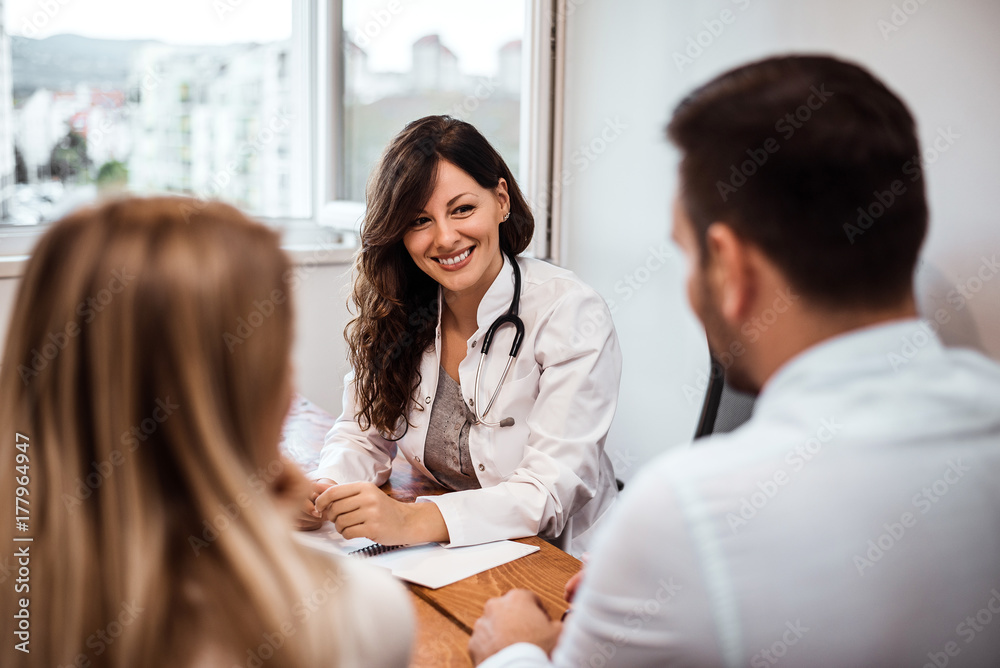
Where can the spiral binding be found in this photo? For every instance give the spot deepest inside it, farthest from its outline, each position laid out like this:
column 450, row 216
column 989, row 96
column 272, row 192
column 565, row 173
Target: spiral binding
column 373, row 550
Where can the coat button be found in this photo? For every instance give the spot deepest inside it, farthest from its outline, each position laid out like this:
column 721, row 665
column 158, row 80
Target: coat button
column 474, row 344
column 482, row 468
column 427, row 400
column 472, row 402
column 416, row 459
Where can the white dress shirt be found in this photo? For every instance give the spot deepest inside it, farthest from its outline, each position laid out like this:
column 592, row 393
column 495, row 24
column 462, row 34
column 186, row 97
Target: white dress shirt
column 547, row 474
column 854, row 521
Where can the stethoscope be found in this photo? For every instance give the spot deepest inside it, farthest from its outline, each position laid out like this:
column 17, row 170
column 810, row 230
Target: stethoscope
column 508, row 318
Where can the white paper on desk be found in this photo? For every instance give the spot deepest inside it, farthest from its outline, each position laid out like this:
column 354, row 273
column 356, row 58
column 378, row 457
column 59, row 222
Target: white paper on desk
column 430, row 565
column 435, row 566
column 328, row 539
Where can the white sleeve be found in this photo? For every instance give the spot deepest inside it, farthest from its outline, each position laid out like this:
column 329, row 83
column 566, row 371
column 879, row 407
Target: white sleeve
column 521, row 654
column 642, row 601
column 351, row 454
column 560, row 471
column 380, row 614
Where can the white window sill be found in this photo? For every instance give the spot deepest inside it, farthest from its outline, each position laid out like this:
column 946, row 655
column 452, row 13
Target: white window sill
column 12, row 266
column 306, row 245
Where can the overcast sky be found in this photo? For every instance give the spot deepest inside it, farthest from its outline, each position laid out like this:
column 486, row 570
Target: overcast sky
column 473, row 29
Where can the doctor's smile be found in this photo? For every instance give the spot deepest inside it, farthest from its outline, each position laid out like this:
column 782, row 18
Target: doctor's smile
column 457, row 261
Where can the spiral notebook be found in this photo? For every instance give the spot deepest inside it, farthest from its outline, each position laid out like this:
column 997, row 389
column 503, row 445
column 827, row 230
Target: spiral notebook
column 430, row 564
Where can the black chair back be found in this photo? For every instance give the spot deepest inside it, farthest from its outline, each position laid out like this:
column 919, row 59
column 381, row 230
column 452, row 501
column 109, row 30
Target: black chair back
column 724, row 408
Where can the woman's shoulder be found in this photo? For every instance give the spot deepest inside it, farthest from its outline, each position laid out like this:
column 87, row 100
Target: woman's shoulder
column 370, row 596
column 555, row 283
column 541, row 272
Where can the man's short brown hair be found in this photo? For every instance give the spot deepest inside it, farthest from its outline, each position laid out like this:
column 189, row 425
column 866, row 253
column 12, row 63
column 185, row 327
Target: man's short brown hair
column 817, row 163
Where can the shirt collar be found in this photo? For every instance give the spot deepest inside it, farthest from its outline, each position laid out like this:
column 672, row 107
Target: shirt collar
column 495, row 302
column 882, row 348
column 498, row 297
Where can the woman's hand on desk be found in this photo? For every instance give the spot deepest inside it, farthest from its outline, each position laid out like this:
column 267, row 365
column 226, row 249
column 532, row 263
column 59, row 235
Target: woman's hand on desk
column 362, row 510
column 309, row 519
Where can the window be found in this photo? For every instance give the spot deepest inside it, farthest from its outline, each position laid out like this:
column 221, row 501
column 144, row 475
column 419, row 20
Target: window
column 281, row 108
column 187, row 97
column 405, row 60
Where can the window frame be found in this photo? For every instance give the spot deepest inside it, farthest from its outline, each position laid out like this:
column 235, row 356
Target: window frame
column 336, row 221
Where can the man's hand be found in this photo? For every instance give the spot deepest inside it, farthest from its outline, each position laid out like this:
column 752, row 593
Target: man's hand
column 309, row 519
column 362, row 510
column 573, row 584
column 517, row 616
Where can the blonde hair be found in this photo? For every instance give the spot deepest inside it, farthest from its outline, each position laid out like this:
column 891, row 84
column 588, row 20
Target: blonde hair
column 147, row 369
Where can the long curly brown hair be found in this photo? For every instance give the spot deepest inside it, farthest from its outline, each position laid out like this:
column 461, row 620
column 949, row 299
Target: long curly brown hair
column 396, row 302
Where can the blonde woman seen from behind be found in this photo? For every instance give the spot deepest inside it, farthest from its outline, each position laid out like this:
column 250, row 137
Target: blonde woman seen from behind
column 144, row 433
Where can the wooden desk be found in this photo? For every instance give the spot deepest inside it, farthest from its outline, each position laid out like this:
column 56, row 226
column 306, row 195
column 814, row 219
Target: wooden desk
column 445, row 616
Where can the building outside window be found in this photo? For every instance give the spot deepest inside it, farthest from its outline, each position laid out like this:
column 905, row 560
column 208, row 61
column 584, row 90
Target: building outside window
column 217, row 100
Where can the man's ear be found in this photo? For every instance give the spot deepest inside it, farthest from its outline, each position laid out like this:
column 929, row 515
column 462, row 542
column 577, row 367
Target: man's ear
column 732, row 272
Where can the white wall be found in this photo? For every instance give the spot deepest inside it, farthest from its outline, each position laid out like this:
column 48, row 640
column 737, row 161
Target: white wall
column 944, row 61
column 320, row 354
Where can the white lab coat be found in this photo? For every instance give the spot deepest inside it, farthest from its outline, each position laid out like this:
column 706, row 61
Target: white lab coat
column 548, row 474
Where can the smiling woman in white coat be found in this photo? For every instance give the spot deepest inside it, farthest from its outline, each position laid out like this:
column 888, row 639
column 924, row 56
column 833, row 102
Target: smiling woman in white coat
column 517, row 433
